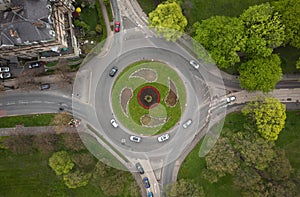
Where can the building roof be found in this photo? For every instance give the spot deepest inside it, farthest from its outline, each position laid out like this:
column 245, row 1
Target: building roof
column 27, row 22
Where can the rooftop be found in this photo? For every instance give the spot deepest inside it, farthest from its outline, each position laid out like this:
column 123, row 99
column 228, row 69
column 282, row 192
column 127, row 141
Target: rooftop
column 27, row 22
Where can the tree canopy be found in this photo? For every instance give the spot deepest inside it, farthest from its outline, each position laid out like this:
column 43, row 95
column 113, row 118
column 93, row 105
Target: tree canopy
column 77, row 179
column 184, row 187
column 168, row 20
column 268, row 115
column 263, row 27
column 223, row 37
column 290, row 12
column 260, row 74
column 61, row 162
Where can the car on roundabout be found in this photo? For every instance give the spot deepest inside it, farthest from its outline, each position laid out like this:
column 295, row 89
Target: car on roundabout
column 134, row 138
column 163, row 138
column 114, row 123
column 150, row 194
column 113, row 71
column 187, row 123
column 194, row 64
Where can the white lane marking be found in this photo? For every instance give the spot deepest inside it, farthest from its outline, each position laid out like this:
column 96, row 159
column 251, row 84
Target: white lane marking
column 10, row 103
column 36, row 101
column 23, row 102
column 49, row 102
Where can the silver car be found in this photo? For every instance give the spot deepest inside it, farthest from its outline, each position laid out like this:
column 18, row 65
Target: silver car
column 5, row 75
column 187, row 123
column 194, row 64
column 4, row 69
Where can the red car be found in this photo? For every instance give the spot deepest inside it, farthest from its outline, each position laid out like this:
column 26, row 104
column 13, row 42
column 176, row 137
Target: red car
column 117, row 26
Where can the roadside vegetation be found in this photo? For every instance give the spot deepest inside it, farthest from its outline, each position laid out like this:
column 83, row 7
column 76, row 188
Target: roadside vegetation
column 238, row 33
column 244, row 163
column 58, row 165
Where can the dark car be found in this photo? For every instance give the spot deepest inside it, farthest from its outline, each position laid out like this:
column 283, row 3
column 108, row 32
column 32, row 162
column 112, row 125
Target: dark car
column 146, row 182
column 117, row 26
column 113, row 71
column 139, row 168
column 45, row 86
column 34, row 65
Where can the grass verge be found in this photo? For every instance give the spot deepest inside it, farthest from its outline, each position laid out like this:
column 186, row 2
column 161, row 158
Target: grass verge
column 26, row 120
column 289, row 139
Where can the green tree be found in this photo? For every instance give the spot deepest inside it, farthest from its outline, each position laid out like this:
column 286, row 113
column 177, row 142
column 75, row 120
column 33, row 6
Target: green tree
column 260, row 74
column 290, row 12
column 223, row 37
column 253, row 150
column 98, row 29
column 106, row 2
column 268, row 115
column 77, row 179
column 263, row 27
column 184, row 188
column 280, row 168
column 61, row 162
column 168, row 20
column 222, row 159
column 298, row 63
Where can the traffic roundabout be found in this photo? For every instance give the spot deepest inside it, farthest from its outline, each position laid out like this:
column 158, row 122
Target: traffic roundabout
column 155, row 91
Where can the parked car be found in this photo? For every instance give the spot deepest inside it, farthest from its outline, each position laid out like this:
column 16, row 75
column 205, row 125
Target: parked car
column 114, row 123
column 4, row 69
column 135, row 138
column 33, row 65
column 194, row 64
column 113, row 71
column 117, row 26
column 150, row 194
column 45, row 86
column 139, row 168
column 187, row 123
column 163, row 138
column 5, row 75
column 230, row 99
column 146, row 182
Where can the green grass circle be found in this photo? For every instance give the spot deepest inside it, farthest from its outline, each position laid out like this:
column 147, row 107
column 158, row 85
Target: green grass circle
column 131, row 120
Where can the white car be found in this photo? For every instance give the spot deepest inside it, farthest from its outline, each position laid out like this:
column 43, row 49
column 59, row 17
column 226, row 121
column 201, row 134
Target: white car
column 230, row 99
column 4, row 69
column 163, row 138
column 187, row 123
column 135, row 138
column 194, row 64
column 114, row 123
column 5, row 75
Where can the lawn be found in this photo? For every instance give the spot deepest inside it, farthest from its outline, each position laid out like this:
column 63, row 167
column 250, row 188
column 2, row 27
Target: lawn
column 26, row 120
column 148, row 6
column 28, row 173
column 193, row 165
column 163, row 74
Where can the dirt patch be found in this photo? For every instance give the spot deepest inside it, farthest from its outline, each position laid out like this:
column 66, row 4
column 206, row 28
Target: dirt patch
column 172, row 98
column 150, row 121
column 146, row 74
column 126, row 95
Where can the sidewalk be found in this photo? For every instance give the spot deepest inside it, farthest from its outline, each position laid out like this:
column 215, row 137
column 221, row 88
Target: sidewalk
column 21, row 130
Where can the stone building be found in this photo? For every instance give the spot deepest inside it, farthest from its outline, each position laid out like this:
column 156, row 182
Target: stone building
column 34, row 29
